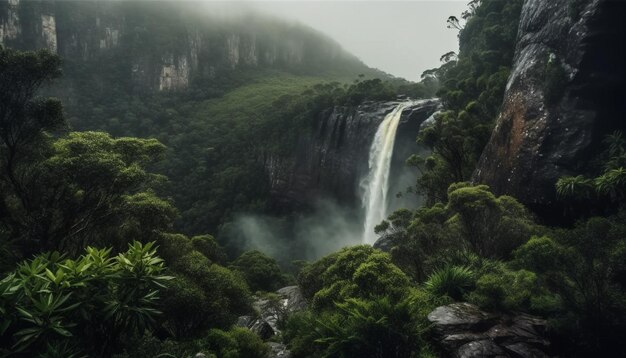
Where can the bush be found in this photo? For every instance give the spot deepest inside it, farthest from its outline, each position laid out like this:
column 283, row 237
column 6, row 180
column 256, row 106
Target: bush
column 50, row 303
column 205, row 295
column 451, row 281
column 236, row 343
column 376, row 327
column 506, row 290
column 358, row 272
column 260, row 271
column 208, row 246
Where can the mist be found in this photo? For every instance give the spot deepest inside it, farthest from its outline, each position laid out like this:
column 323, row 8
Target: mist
column 402, row 38
column 309, row 236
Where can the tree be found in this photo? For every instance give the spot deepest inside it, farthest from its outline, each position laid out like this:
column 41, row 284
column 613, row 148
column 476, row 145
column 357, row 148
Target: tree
column 261, row 271
column 82, row 305
column 67, row 192
column 25, row 125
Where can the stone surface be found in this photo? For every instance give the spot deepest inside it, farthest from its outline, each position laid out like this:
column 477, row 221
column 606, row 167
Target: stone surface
column 536, row 141
column 463, row 330
column 270, row 313
column 278, row 350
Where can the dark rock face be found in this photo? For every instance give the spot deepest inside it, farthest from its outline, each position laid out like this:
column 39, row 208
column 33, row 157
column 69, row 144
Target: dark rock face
column 464, row 331
column 331, row 160
column 565, row 93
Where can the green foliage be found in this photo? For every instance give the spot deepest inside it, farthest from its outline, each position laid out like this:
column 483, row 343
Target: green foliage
column 451, row 281
column 472, row 89
column 260, row 271
column 49, row 302
column 236, row 343
column 584, row 267
column 609, row 184
column 474, row 219
column 377, row 327
column 63, row 193
column 204, row 294
column 356, row 272
column 505, row 290
column 208, row 246
column 492, row 226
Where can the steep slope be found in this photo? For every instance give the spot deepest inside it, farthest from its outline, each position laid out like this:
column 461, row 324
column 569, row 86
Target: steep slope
column 162, row 46
column 565, row 93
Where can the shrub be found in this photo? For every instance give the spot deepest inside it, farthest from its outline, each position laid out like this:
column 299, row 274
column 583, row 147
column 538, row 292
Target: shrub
column 260, row 271
column 359, row 272
column 205, row 295
column 50, row 303
column 451, row 281
column 376, row 327
column 236, row 343
column 506, row 290
column 208, row 246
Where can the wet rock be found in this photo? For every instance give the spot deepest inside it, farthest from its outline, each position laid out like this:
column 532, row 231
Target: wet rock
column 463, row 330
column 480, row 349
column 460, row 317
column 271, row 312
column 293, row 298
column 331, row 160
column 263, row 329
column 278, row 350
column 551, row 126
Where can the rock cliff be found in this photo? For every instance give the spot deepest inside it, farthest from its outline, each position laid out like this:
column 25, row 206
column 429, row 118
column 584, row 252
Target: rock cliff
column 565, row 93
column 331, row 160
column 163, row 46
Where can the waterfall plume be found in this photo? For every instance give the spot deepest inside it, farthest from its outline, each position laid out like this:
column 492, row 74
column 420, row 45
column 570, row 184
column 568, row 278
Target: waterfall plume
column 376, row 183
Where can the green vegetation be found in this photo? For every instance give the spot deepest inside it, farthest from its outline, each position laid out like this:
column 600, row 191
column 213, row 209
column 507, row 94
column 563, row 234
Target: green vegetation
column 70, row 191
column 473, row 86
column 71, row 307
column 92, row 263
column 260, row 271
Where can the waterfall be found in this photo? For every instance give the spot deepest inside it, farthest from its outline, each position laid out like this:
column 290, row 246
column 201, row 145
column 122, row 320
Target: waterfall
column 376, row 184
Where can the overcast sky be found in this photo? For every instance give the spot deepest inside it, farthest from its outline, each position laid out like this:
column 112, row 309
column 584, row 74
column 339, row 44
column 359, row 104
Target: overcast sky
column 403, row 38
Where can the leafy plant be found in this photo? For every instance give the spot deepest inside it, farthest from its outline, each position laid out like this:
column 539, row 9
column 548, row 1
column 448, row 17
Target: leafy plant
column 90, row 301
column 452, row 281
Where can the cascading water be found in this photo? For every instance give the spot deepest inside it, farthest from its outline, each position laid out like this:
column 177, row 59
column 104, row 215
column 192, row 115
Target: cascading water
column 376, row 184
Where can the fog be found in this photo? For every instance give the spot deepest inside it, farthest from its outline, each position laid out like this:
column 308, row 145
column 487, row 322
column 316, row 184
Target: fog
column 403, row 38
column 308, row 236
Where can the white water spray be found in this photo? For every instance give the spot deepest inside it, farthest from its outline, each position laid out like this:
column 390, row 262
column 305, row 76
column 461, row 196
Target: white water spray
column 376, row 184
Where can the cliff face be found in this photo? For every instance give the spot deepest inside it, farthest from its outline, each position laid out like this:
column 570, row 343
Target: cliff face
column 565, row 93
column 331, row 160
column 162, row 45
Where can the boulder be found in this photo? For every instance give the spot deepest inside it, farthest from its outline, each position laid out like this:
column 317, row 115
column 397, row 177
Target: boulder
column 278, row 350
column 463, row 330
column 271, row 312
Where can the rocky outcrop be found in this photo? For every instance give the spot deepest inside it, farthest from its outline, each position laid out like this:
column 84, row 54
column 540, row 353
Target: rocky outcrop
column 278, row 350
column 331, row 160
column 272, row 311
column 462, row 330
column 162, row 47
column 565, row 93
